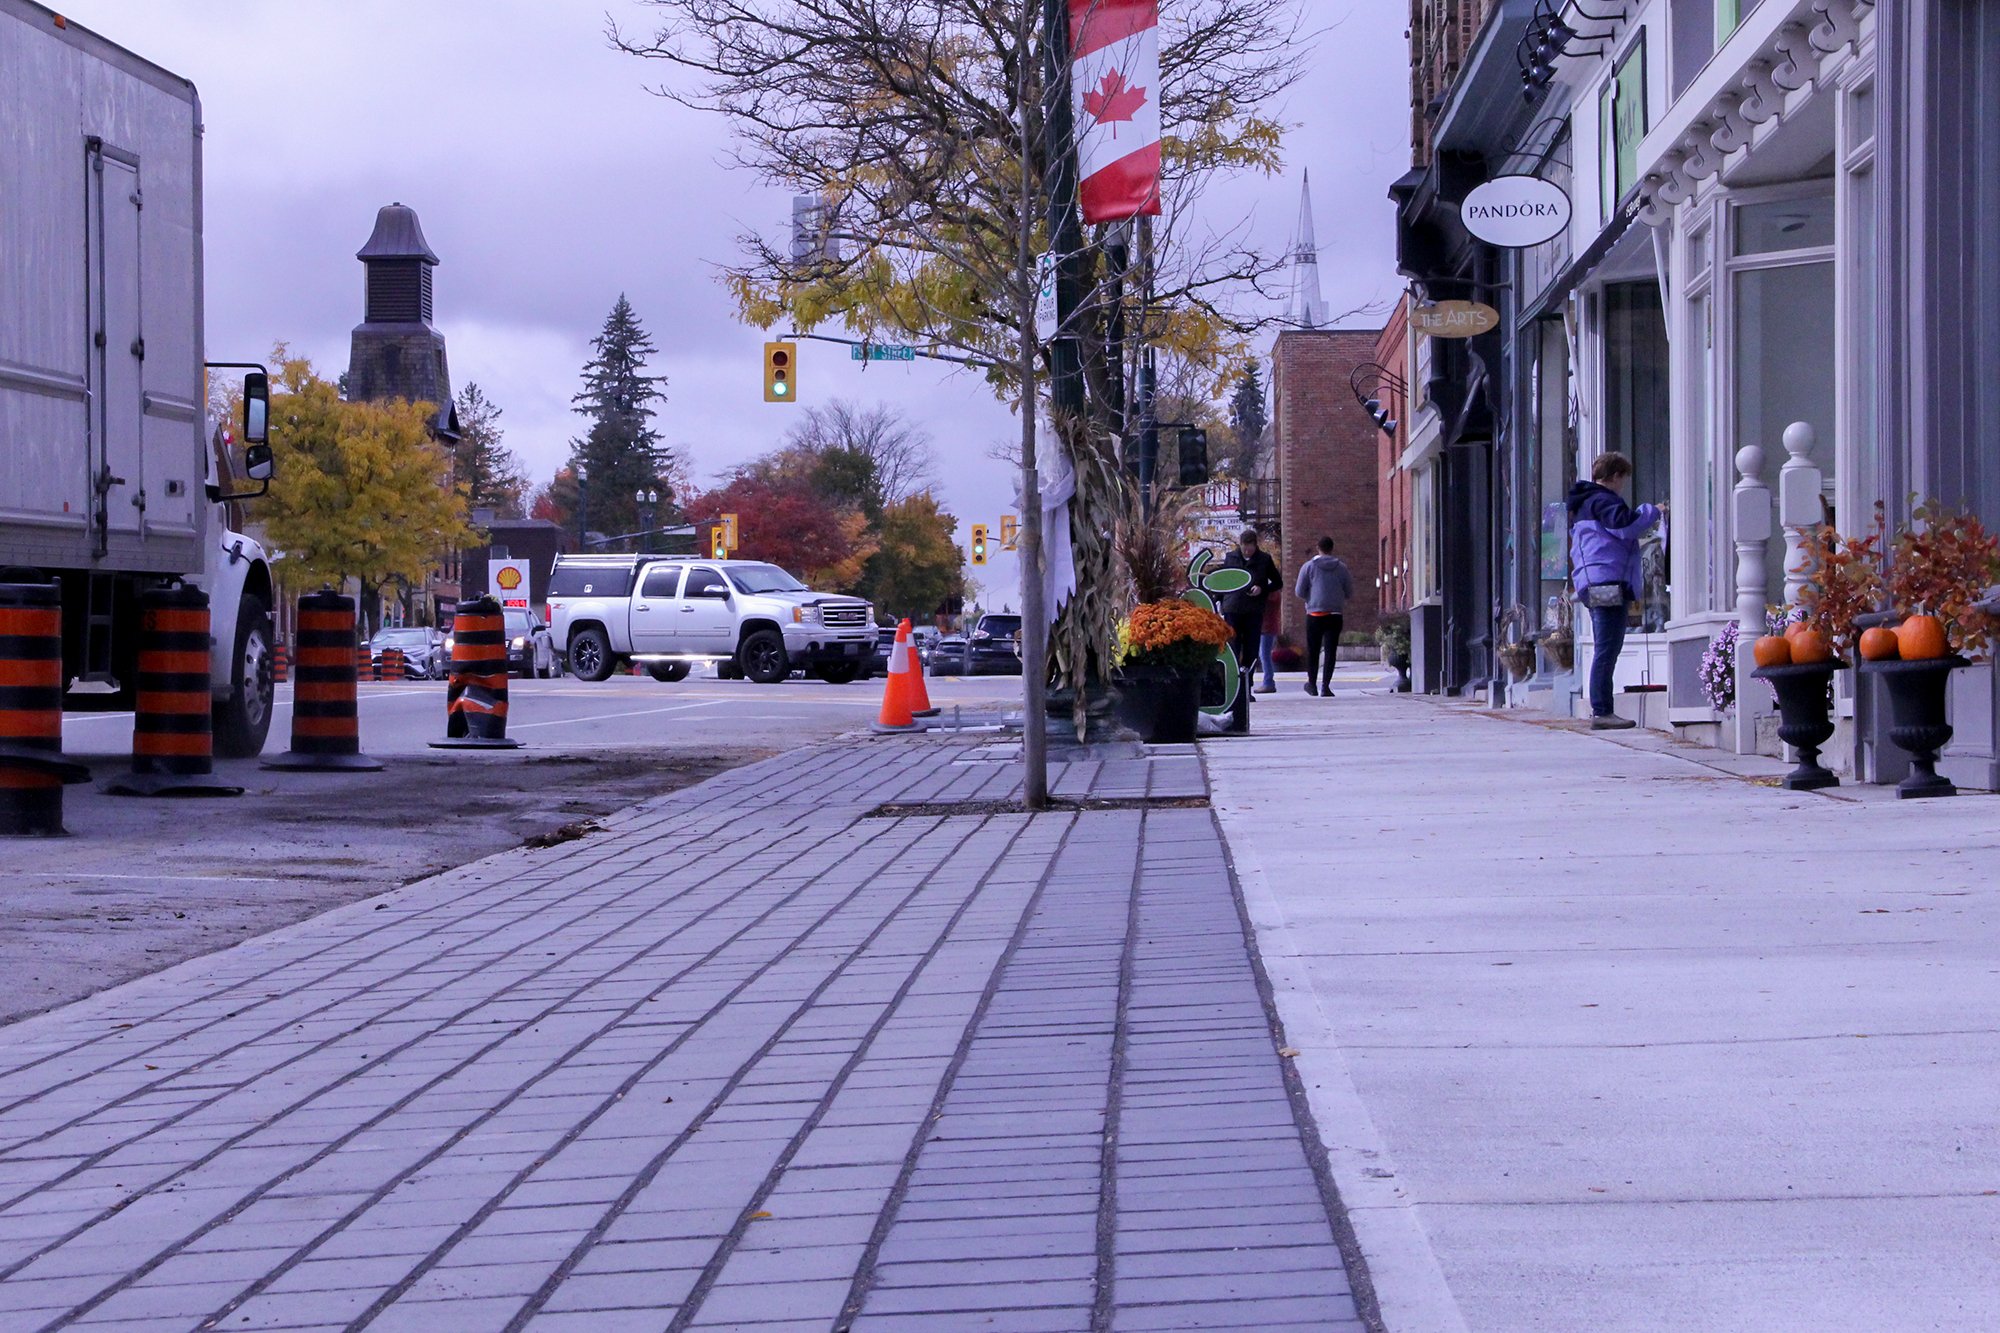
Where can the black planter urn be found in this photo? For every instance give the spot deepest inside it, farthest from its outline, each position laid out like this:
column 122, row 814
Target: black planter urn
column 1164, row 707
column 1805, row 718
column 1917, row 719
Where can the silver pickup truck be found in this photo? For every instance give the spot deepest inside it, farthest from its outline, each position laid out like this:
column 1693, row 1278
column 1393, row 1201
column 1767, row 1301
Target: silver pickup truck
column 669, row 612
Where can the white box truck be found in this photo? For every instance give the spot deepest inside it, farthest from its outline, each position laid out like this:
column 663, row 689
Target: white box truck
column 109, row 474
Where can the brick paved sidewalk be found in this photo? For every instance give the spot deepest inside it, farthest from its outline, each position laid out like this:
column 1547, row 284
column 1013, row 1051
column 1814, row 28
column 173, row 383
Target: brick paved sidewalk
column 751, row 1058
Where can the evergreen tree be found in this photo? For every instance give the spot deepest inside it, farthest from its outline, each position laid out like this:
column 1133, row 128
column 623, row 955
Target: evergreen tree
column 621, row 451
column 1247, row 419
column 490, row 472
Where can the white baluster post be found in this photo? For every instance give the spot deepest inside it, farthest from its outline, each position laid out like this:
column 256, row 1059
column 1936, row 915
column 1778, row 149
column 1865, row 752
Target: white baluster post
column 1752, row 515
column 1800, row 509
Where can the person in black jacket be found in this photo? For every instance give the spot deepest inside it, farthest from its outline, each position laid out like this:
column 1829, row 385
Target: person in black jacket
column 1244, row 609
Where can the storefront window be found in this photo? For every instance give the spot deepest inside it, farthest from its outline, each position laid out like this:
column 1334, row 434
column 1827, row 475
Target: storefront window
column 1639, row 411
column 1784, row 363
column 1785, row 224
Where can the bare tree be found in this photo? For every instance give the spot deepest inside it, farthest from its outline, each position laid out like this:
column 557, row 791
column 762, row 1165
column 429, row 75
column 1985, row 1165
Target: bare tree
column 919, row 127
column 899, row 448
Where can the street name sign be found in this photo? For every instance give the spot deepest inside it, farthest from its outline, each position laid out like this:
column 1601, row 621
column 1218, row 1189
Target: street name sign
column 881, row 352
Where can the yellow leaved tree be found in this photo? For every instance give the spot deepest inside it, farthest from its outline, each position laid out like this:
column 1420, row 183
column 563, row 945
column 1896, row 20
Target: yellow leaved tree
column 363, row 491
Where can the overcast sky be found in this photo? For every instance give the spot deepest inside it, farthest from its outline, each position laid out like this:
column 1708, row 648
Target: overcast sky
column 549, row 180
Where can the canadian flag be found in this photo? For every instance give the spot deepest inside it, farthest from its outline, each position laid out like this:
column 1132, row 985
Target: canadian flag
column 1115, row 96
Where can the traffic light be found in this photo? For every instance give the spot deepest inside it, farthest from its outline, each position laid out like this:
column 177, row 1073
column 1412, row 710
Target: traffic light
column 1194, row 456
column 1010, row 531
column 718, row 541
column 781, row 362
column 978, row 543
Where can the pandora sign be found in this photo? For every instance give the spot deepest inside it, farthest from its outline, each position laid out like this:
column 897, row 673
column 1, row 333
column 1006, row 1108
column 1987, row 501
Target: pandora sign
column 1515, row 211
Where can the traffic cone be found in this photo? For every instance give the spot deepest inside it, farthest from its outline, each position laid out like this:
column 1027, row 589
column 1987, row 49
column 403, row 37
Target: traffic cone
column 920, row 695
column 896, row 693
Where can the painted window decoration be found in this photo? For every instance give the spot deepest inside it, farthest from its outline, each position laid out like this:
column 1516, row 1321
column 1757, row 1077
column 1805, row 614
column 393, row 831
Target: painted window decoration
column 1623, row 123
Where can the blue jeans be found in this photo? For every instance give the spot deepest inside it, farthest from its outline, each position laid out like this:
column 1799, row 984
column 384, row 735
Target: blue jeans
column 1267, row 644
column 1607, row 634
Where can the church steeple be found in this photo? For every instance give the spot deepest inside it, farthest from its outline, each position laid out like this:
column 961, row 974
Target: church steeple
column 1308, row 304
column 399, row 262
column 396, row 353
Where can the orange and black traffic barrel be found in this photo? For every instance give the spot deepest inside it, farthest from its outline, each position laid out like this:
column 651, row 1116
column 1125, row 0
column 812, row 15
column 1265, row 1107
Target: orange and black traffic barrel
column 365, row 667
column 281, row 663
column 32, row 769
column 476, row 700
column 173, row 748
column 390, row 664
column 326, row 718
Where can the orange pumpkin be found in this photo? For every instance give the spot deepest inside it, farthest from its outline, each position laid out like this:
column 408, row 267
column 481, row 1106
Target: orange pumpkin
column 1772, row 650
column 1796, row 628
column 1879, row 644
column 1809, row 647
column 1921, row 639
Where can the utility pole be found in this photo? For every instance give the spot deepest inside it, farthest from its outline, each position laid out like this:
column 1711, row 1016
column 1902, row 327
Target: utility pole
column 1147, row 385
column 1066, row 386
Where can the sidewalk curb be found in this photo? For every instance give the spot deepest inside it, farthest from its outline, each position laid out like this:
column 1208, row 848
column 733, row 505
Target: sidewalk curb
column 1408, row 1288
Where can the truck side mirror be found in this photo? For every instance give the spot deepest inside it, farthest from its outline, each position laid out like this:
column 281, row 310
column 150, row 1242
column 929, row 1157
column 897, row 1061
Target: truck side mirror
column 257, row 463
column 256, row 413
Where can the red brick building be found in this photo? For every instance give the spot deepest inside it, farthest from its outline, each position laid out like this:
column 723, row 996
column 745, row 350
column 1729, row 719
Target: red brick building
column 1392, row 352
column 1328, row 456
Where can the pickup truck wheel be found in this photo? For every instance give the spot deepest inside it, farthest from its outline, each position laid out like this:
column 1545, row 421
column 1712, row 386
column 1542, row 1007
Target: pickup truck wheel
column 243, row 720
column 839, row 673
column 668, row 672
column 762, row 657
column 590, row 655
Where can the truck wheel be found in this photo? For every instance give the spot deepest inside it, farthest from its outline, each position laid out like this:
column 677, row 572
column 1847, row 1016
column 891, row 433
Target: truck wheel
column 762, row 657
column 839, row 673
column 590, row 655
column 243, row 721
column 668, row 672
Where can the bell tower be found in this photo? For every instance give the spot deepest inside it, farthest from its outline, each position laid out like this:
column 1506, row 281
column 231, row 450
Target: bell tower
column 396, row 352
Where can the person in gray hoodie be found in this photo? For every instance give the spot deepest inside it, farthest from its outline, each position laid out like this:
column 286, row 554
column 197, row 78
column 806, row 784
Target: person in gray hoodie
column 1325, row 585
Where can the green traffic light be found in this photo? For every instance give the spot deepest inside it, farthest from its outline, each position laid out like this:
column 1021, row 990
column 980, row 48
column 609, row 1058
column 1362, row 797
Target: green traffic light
column 781, row 388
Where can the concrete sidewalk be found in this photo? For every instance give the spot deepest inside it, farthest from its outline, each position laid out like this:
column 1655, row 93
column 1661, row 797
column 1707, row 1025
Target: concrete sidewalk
column 1603, row 1038
column 755, row 1057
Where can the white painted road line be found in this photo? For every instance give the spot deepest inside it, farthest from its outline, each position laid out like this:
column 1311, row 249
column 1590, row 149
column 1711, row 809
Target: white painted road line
column 610, row 717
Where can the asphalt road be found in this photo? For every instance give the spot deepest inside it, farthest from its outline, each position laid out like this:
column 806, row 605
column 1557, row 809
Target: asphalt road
column 623, row 713
column 143, row 884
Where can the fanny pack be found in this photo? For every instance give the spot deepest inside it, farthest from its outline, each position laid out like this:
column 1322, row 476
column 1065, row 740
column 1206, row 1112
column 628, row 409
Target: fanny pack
column 1601, row 596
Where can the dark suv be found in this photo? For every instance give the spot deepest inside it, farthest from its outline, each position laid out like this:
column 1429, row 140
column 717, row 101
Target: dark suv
column 994, row 647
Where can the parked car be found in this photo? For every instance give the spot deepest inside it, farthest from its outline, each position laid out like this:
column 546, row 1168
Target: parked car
column 947, row 657
column 426, row 652
column 924, row 638
column 669, row 612
column 529, row 650
column 885, row 639
column 995, row 647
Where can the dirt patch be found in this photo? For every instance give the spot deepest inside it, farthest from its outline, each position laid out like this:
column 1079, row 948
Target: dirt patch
column 143, row 884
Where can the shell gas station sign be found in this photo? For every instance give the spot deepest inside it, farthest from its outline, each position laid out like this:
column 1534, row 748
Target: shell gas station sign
column 508, row 582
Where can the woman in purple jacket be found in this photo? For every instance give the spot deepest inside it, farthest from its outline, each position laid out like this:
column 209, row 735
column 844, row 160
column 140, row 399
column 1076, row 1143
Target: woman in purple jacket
column 1604, row 534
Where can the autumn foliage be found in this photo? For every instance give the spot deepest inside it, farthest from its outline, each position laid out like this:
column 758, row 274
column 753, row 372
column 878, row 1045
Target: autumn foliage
column 1942, row 565
column 784, row 520
column 1172, row 634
